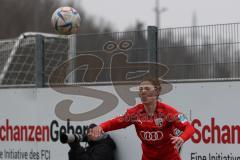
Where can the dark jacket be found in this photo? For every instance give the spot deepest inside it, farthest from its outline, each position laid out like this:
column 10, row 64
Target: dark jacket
column 98, row 150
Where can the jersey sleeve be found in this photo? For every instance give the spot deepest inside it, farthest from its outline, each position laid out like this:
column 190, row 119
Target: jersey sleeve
column 118, row 122
column 181, row 122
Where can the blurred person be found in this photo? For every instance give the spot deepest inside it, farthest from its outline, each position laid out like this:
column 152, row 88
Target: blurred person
column 154, row 122
column 100, row 148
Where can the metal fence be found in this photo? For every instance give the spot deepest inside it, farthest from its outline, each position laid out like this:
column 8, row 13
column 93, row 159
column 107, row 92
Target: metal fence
column 196, row 53
column 201, row 52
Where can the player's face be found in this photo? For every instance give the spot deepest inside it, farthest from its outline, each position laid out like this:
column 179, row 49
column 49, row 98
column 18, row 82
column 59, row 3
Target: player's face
column 147, row 92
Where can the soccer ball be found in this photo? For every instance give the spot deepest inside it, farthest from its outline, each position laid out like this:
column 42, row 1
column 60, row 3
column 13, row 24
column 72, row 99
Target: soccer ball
column 66, row 20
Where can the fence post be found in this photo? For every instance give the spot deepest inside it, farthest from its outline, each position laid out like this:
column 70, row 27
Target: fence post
column 152, row 43
column 152, row 48
column 72, row 54
column 39, row 61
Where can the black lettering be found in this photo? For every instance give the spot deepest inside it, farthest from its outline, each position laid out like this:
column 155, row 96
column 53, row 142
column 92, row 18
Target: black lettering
column 54, row 134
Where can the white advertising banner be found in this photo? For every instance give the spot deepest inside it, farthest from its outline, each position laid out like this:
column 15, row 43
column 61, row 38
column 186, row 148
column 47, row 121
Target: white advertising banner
column 31, row 120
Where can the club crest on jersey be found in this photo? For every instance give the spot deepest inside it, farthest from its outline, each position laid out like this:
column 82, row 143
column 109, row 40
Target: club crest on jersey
column 159, row 122
column 182, row 118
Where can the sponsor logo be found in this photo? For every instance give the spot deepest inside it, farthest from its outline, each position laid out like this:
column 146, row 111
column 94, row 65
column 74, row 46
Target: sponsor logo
column 151, row 135
column 37, row 133
column 215, row 133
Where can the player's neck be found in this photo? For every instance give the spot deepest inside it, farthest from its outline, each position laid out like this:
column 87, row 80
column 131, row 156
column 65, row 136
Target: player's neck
column 150, row 108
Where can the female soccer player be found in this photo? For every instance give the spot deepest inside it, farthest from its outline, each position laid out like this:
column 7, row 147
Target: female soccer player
column 155, row 123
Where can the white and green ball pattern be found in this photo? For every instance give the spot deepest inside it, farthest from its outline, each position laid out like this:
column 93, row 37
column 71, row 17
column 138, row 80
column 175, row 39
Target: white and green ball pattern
column 66, row 20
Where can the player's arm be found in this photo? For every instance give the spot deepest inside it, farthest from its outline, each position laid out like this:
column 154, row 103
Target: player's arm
column 117, row 123
column 181, row 122
column 184, row 125
column 113, row 124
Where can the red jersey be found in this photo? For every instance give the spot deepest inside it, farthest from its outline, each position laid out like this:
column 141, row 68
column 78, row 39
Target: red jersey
column 154, row 131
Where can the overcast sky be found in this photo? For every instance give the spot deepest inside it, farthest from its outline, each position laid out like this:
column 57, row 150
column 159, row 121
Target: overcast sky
column 124, row 13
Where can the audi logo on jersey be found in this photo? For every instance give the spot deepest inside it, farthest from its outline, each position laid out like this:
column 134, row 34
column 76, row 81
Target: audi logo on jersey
column 151, row 135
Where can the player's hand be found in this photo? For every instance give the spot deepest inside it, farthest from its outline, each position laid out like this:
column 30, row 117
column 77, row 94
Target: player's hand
column 95, row 132
column 177, row 141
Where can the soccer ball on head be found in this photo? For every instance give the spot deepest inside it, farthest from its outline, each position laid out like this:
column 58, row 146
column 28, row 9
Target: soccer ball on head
column 66, row 20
